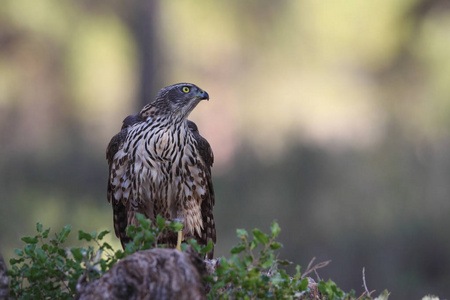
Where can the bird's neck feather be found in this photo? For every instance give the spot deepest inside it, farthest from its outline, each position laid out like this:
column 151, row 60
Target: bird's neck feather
column 161, row 111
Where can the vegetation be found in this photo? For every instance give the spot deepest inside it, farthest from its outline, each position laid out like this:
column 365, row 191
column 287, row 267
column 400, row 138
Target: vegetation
column 48, row 269
column 253, row 272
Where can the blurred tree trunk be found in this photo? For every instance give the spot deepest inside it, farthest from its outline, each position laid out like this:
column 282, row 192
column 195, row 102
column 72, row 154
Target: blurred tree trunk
column 144, row 21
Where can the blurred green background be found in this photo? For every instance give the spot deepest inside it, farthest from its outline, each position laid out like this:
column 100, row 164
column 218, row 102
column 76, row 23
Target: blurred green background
column 330, row 116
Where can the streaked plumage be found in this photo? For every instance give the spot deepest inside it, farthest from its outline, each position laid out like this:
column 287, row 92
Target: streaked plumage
column 159, row 164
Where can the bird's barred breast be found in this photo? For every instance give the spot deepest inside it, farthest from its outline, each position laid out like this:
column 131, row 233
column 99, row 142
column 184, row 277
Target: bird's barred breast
column 169, row 172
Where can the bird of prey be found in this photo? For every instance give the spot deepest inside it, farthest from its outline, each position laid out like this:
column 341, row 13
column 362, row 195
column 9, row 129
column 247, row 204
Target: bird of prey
column 160, row 164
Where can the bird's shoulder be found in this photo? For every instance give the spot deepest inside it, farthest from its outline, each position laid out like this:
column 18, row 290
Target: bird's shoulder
column 118, row 140
column 204, row 148
column 131, row 120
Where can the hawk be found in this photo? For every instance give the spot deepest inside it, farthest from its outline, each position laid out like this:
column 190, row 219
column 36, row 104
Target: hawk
column 160, row 164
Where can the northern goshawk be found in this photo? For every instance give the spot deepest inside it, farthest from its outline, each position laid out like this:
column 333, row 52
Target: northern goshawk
column 160, row 164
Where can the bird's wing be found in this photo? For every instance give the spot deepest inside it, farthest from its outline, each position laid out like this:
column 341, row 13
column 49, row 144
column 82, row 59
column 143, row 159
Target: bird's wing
column 119, row 209
column 205, row 151
column 203, row 146
column 117, row 140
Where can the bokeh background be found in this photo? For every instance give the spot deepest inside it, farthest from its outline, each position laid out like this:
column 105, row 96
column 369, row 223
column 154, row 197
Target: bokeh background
column 331, row 117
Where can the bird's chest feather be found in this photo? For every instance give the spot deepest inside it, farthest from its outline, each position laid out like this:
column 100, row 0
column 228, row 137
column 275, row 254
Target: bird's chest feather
column 166, row 161
column 161, row 145
column 160, row 172
column 155, row 153
column 164, row 174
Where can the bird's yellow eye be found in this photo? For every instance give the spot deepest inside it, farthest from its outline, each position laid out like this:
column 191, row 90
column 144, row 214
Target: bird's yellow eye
column 186, row 89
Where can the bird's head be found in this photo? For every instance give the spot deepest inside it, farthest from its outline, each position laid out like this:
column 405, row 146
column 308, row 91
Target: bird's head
column 182, row 98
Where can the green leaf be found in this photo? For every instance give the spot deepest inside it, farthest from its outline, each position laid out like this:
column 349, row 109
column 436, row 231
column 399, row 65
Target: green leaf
column 131, row 231
column 102, row 234
column 39, row 227
column 303, row 286
column 84, row 236
column 61, row 252
column 45, row 233
column 241, row 233
column 254, row 272
column 297, row 269
column 29, row 250
column 195, row 245
column 175, row 226
column 77, row 254
column 385, row 295
column 14, row 261
column 208, row 247
column 41, row 255
column 149, row 236
column 275, row 229
column 260, row 236
column 237, row 249
column 323, row 288
column 139, row 238
column 330, row 288
column 284, row 262
column 283, row 274
column 248, row 260
column 18, row 252
column 30, row 240
column 160, row 222
column 275, row 245
column 119, row 254
column 130, row 248
column 143, row 221
column 64, row 233
column 268, row 263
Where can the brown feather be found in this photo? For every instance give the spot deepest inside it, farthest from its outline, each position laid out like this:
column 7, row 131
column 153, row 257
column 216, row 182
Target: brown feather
column 205, row 151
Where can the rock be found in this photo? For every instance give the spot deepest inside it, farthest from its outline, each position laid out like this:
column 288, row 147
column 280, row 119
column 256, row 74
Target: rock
column 149, row 274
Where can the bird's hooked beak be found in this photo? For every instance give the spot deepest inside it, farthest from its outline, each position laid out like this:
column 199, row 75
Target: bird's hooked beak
column 204, row 95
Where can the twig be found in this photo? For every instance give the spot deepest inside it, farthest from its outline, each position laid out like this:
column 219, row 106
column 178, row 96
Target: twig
column 361, row 297
column 310, row 269
column 365, row 285
column 317, row 275
column 310, row 263
column 63, row 280
column 364, row 281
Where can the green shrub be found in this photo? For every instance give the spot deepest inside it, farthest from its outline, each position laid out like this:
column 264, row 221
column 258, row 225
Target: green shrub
column 46, row 269
column 252, row 271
